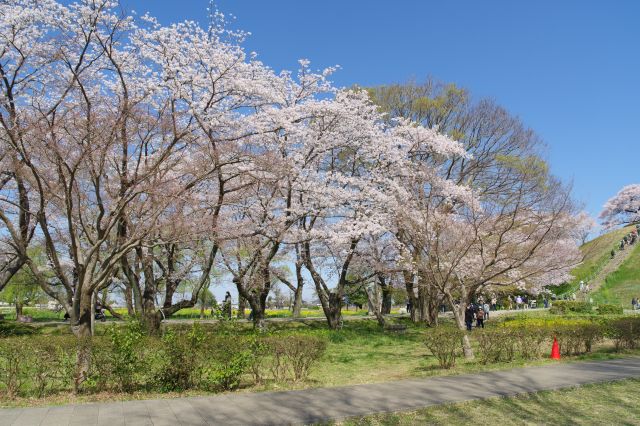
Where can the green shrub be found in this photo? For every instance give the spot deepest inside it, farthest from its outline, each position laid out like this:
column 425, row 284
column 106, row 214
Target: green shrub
column 445, row 343
column 13, row 363
column 530, row 339
column 576, row 339
column 292, row 356
column 121, row 360
column 12, row 328
column 625, row 332
column 562, row 307
column 495, row 345
column 179, row 358
column 225, row 360
column 609, row 309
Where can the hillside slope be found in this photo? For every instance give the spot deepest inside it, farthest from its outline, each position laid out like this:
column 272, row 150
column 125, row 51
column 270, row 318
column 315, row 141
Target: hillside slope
column 623, row 284
column 597, row 254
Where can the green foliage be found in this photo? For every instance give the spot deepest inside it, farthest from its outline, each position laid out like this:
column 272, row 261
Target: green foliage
column 293, row 356
column 122, row 358
column 36, row 365
column 625, row 332
column 8, row 329
column 563, row 307
column 495, row 345
column 609, row 309
column 179, row 363
column 445, row 343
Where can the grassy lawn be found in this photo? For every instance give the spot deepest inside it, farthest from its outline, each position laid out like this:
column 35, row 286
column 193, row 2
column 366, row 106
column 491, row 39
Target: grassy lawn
column 598, row 404
column 622, row 285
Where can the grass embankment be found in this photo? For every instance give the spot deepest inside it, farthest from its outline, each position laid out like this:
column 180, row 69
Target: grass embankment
column 597, row 253
column 598, row 404
column 623, row 284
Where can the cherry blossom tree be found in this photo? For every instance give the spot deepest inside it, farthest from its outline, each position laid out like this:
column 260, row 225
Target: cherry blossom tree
column 623, row 208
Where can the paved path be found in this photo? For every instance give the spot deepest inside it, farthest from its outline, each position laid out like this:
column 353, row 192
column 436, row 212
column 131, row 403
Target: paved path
column 316, row 405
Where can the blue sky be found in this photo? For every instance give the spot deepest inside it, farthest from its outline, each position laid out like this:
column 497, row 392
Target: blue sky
column 568, row 69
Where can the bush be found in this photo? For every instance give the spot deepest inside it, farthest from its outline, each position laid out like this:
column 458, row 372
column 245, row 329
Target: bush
column 576, row 339
column 562, row 307
column 292, row 356
column 625, row 332
column 495, row 345
column 609, row 309
column 179, row 359
column 226, row 360
column 44, row 363
column 12, row 328
column 121, row 359
column 445, row 343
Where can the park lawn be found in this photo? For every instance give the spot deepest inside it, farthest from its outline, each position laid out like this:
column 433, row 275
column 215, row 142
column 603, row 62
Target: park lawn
column 595, row 404
column 623, row 284
column 360, row 353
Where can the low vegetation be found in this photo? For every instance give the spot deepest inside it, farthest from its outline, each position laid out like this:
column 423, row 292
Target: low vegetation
column 211, row 358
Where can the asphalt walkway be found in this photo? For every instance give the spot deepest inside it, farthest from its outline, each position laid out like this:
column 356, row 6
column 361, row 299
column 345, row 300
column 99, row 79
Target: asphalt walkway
column 322, row 404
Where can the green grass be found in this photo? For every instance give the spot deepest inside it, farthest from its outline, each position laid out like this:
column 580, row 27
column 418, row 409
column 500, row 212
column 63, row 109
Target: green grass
column 623, row 284
column 597, row 253
column 614, row 403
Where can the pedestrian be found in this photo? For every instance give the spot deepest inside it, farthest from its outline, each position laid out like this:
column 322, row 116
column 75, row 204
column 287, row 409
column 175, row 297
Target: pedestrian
column 480, row 318
column 518, row 302
column 494, row 303
column 468, row 316
column 545, row 301
column 226, row 306
column 634, row 303
column 486, row 309
column 613, row 253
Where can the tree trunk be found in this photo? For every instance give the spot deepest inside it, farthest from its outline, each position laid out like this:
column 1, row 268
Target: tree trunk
column 18, row 309
column 128, row 298
column 371, row 298
column 242, row 306
column 411, row 297
column 81, row 328
column 297, row 298
column 202, row 311
column 386, row 300
column 458, row 314
column 333, row 311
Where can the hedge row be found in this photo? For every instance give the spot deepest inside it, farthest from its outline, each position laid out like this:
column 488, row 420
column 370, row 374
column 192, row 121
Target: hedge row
column 531, row 339
column 563, row 307
column 127, row 360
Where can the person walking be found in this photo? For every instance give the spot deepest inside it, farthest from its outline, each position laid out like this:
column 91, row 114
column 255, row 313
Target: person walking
column 486, row 308
column 518, row 302
column 634, row 303
column 494, row 303
column 468, row 317
column 226, row 306
column 480, row 318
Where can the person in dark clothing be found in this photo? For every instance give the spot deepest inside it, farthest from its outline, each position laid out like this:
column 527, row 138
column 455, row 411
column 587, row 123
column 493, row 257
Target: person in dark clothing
column 468, row 316
column 480, row 318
